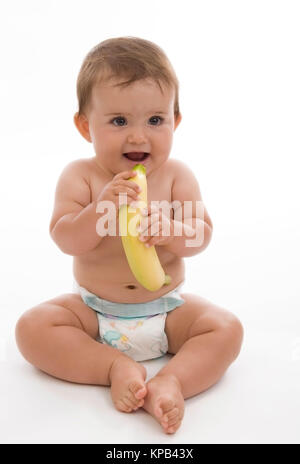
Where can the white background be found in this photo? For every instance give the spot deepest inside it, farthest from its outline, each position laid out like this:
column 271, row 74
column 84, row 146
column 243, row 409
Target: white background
column 238, row 67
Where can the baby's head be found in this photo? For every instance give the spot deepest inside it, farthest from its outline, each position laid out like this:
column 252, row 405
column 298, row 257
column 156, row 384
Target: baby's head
column 127, row 103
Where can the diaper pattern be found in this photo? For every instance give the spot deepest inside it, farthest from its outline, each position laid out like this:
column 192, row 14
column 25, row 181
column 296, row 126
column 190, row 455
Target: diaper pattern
column 116, row 340
column 140, row 339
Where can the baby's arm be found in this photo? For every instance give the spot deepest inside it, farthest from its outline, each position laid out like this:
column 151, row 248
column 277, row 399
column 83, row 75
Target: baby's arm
column 191, row 220
column 73, row 222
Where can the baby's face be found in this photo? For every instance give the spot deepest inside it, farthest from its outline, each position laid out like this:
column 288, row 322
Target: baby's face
column 138, row 118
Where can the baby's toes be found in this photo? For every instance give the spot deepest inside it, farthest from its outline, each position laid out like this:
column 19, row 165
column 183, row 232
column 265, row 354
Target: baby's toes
column 121, row 406
column 173, row 428
column 125, row 404
column 139, row 404
column 133, row 401
column 137, row 389
column 174, row 423
column 171, row 418
column 163, row 407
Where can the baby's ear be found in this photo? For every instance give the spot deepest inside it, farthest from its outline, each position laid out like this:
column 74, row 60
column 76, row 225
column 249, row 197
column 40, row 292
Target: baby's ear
column 177, row 121
column 82, row 124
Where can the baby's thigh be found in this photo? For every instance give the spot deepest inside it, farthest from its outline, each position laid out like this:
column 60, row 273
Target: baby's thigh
column 194, row 317
column 63, row 310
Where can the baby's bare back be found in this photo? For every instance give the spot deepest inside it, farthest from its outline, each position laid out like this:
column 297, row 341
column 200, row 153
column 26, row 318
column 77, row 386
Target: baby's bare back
column 104, row 270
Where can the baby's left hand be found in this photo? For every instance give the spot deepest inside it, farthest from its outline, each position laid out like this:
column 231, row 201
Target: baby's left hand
column 158, row 221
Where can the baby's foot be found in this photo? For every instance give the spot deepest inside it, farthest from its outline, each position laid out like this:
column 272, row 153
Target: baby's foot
column 128, row 388
column 164, row 401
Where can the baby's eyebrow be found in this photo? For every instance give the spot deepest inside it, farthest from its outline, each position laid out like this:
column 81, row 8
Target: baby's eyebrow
column 129, row 114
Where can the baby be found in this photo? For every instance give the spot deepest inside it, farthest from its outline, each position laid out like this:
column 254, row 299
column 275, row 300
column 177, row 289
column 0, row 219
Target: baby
column 99, row 334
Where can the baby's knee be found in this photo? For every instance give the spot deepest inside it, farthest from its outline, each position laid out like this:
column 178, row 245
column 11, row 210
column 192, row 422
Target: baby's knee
column 29, row 327
column 233, row 334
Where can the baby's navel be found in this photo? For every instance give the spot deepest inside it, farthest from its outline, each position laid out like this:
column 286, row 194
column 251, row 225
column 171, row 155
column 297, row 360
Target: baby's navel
column 131, row 287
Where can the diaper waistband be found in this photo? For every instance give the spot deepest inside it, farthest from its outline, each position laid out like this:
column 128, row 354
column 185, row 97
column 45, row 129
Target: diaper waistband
column 163, row 304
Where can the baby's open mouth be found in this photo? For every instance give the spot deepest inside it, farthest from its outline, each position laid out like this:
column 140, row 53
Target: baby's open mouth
column 136, row 156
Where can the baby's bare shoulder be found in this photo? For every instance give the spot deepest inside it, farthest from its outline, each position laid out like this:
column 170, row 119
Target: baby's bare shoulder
column 80, row 168
column 185, row 185
column 177, row 169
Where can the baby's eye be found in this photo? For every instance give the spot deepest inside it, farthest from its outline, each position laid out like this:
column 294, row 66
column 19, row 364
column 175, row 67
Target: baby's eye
column 156, row 118
column 119, row 118
column 120, row 121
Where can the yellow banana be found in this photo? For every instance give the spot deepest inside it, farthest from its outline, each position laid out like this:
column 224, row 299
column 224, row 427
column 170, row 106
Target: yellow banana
column 143, row 262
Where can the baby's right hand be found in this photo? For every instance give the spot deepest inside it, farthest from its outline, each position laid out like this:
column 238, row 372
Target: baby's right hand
column 120, row 185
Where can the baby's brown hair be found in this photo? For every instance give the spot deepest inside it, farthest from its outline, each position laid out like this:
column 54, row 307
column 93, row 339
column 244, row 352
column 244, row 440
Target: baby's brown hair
column 131, row 58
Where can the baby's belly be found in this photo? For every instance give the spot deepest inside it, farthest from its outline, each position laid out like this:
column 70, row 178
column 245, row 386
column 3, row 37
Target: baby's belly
column 112, row 279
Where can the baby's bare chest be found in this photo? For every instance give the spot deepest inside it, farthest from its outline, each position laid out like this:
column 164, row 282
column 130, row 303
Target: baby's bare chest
column 159, row 193
column 105, row 269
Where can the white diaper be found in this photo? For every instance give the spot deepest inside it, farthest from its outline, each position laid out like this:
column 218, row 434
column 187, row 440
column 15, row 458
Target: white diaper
column 137, row 329
column 141, row 338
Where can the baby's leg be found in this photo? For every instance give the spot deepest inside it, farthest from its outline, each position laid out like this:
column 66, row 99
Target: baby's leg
column 205, row 339
column 59, row 337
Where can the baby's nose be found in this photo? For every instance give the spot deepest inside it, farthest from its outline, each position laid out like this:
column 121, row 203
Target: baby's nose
column 136, row 137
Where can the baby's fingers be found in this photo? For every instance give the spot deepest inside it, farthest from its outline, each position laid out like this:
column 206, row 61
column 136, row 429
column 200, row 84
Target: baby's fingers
column 149, row 209
column 126, row 175
column 150, row 229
